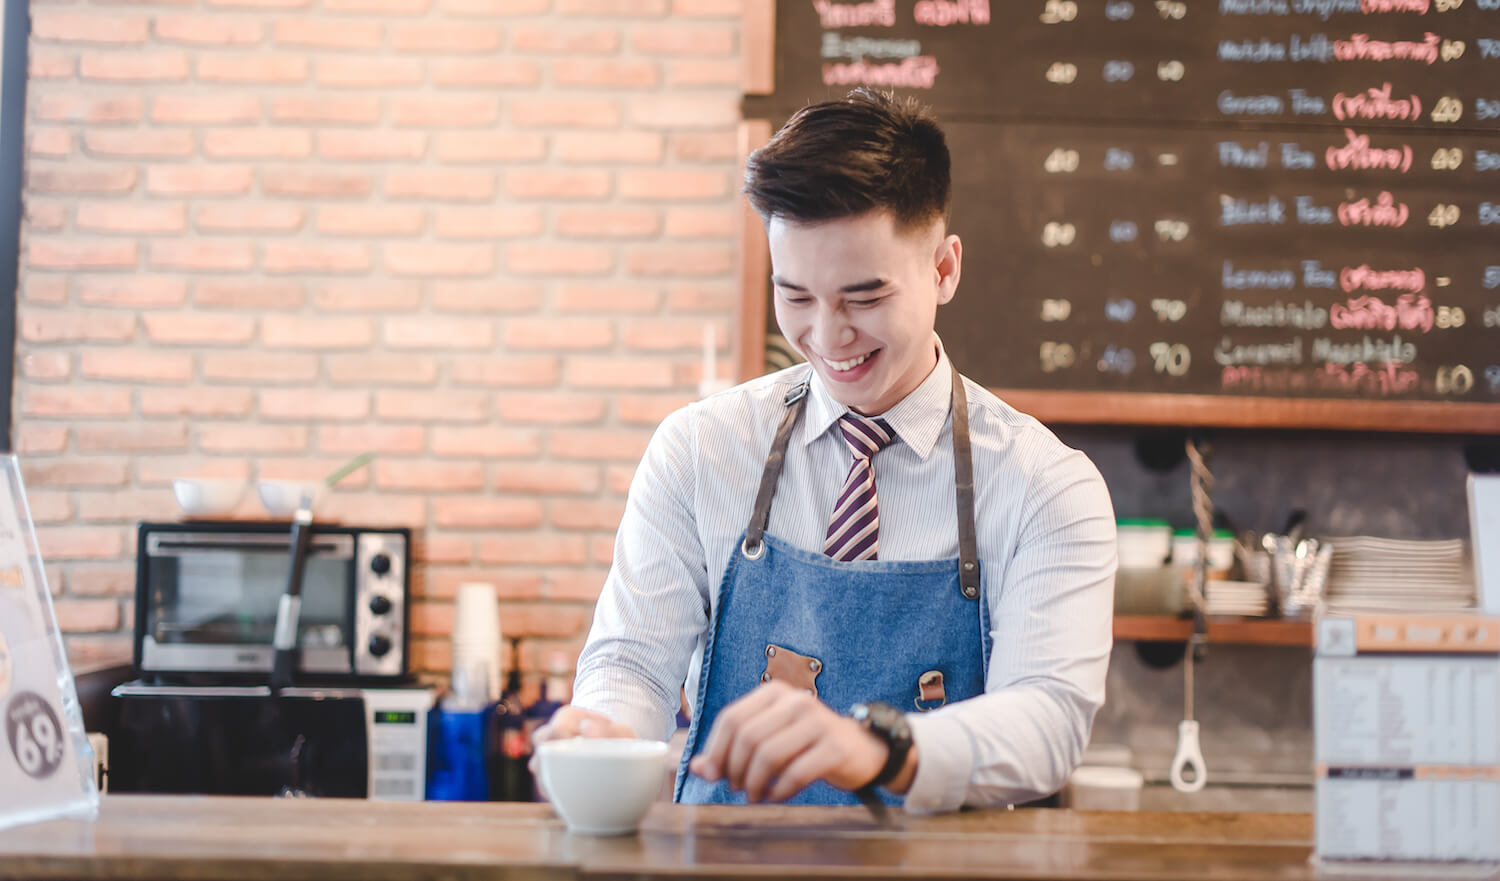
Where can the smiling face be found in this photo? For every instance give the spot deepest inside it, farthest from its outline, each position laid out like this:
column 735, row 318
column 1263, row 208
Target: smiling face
column 857, row 297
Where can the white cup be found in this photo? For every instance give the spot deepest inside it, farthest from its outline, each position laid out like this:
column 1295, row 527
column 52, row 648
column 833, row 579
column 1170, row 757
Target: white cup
column 476, row 631
column 602, row 786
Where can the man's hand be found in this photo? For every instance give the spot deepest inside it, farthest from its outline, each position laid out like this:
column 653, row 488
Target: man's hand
column 570, row 721
column 777, row 739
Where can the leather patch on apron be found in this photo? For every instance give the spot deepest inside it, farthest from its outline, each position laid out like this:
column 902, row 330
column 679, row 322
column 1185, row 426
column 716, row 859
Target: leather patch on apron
column 798, row 671
column 930, row 691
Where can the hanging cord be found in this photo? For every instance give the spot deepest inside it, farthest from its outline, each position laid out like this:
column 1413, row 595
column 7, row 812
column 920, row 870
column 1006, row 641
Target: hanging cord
column 1203, row 511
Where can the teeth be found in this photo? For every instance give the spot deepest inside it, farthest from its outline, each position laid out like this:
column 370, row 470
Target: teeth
column 847, row 365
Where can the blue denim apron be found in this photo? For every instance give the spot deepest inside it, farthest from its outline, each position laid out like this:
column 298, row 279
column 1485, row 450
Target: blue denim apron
column 913, row 634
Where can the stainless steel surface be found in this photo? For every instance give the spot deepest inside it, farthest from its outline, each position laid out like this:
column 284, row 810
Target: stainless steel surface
column 369, row 585
column 186, row 658
column 171, row 544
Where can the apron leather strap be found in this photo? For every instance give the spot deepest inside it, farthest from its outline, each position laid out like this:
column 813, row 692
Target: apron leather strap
column 963, row 477
column 761, row 515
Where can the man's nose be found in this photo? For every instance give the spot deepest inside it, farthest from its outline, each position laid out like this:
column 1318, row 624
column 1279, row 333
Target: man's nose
column 831, row 329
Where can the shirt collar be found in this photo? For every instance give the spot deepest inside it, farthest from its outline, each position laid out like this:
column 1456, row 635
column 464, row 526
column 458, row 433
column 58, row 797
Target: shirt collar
column 917, row 419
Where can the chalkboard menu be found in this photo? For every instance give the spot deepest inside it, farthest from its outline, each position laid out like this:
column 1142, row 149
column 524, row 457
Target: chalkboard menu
column 1233, row 202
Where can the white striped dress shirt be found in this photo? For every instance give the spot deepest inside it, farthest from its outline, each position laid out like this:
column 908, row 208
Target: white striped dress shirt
column 1047, row 554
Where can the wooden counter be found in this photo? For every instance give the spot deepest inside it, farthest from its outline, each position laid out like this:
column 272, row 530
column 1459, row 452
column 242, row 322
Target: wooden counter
column 185, row 838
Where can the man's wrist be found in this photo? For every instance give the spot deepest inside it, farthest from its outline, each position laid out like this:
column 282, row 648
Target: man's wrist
column 888, row 726
column 908, row 773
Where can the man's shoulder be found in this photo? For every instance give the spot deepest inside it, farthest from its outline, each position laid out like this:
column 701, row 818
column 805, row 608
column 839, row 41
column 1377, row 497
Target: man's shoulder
column 750, row 398
column 1021, row 438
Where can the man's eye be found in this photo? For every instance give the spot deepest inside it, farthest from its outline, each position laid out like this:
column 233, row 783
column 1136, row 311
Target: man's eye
column 864, row 302
column 795, row 300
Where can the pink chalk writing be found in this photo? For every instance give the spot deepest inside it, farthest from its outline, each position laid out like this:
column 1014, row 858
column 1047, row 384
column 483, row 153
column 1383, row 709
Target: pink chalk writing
column 942, row 13
column 1385, row 211
column 1411, row 312
column 1390, row 378
column 1362, row 277
column 917, row 72
column 876, row 13
column 1375, row 7
column 1360, row 155
column 1359, row 47
column 1376, row 104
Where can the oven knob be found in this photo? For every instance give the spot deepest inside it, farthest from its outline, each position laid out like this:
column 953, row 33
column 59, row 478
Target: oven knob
column 379, row 605
column 379, row 645
column 380, row 564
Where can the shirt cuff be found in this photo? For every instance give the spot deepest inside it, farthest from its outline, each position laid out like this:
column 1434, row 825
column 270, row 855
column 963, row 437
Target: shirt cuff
column 645, row 724
column 945, row 764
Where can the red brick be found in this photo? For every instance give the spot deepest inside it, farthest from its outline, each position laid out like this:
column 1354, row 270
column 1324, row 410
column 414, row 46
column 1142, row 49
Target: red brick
column 189, row 109
column 361, row 146
column 49, row 142
column 431, row 655
column 708, row 8
column 86, row 179
column 607, row 223
column 45, row 216
column 45, row 254
column 581, row 586
column 371, row 220
column 432, row 619
column 366, row 296
column 602, row 550
column 438, row 260
column 548, row 478
column 650, row 410
column 369, row 73
column 506, row 371
column 257, row 368
column 489, row 222
column 430, row 112
column 535, row 550
column 550, row 620
column 51, row 289
column 432, row 406
column 241, row 438
column 224, row 67
column 135, row 291
column 485, row 442
column 76, row 473
column 382, row 439
column 705, row 71
column 253, row 217
column 617, row 372
column 306, row 332
column 102, row 580
column 387, row 369
column 134, row 67
column 560, row 113
column 38, row 438
column 509, row 585
column 324, row 33
column 681, row 260
column 617, row 147
column 136, row 365
column 487, row 513
column 686, row 39
column 382, row 7
column 470, row 72
column 673, row 334
column 699, row 299
column 684, row 112
column 191, row 328
column 704, row 146
column 490, row 147
column 237, row 143
column 425, row 332
column 487, row 297
column 97, row 651
column 207, row 30
column 551, row 408
column 316, row 184
column 558, row 333
column 543, row 183
column 207, row 180
column 91, row 27
column 314, row 257
column 586, row 513
column 593, row 41
column 162, row 470
column 199, row 255
column 493, row 8
column 346, row 109
column 195, row 402
column 301, row 404
column 702, row 223
column 600, row 444
column 435, row 550
column 674, row 185
column 91, row 615
column 132, row 217
column 429, row 476
column 606, row 73
column 154, row 437
column 445, row 184
column 445, row 38
column 262, row 4
column 76, row 326
column 607, row 298
column 89, row 108
column 559, row 260
column 46, row 366
column 248, row 294
column 146, row 144
column 47, row 63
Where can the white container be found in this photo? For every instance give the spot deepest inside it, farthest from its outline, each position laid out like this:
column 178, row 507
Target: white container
column 207, row 496
column 1102, row 788
column 602, row 786
column 476, row 634
column 1220, row 549
column 1144, row 544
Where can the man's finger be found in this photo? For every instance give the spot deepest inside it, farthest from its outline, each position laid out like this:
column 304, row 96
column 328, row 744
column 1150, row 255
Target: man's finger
column 774, row 754
column 785, row 711
column 711, row 762
column 810, row 765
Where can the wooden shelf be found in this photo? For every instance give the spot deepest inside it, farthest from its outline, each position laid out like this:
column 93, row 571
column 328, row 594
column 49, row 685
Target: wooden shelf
column 1222, row 629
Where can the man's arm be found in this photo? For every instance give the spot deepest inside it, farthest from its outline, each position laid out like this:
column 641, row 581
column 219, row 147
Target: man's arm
column 1051, row 625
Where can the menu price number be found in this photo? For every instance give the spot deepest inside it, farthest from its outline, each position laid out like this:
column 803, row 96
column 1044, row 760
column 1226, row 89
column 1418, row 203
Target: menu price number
column 1491, row 277
column 1119, row 10
column 1057, row 356
column 1056, row 310
column 1447, row 109
column 1059, row 11
column 1449, row 5
column 1121, row 231
column 1168, row 311
column 1176, row 10
column 35, row 734
column 1116, row 360
column 1173, row 359
column 1453, row 380
column 1116, row 71
column 1058, row 235
column 1062, row 73
column 1447, row 159
column 1170, row 71
column 1449, row 317
column 1171, row 230
column 1116, row 159
column 1443, row 215
column 1452, row 50
column 1061, row 161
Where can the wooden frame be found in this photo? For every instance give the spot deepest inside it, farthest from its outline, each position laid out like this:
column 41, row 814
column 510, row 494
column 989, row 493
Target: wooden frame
column 758, row 47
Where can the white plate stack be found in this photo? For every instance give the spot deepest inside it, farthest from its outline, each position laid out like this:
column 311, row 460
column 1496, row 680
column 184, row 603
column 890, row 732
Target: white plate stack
column 476, row 643
column 1393, row 575
column 1245, row 598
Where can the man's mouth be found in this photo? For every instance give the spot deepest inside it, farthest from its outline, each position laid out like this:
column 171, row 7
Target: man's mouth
column 850, row 364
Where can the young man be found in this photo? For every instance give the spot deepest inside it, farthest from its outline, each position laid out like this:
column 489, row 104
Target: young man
column 944, row 639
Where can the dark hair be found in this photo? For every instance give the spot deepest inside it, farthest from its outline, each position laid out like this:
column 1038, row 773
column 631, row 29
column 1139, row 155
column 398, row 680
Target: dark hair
column 843, row 158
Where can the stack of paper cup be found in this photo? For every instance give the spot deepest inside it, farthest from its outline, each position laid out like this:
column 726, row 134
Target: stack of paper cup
column 476, row 639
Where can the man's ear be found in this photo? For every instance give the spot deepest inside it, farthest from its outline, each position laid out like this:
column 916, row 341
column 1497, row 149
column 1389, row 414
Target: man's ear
column 948, row 262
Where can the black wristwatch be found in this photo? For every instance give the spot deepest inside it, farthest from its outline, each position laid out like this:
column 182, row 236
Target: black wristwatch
column 889, row 724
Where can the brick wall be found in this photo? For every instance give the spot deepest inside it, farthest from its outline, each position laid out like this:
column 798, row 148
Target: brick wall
column 479, row 237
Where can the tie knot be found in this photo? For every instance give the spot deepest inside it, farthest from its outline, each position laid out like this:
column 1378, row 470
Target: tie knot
column 865, row 436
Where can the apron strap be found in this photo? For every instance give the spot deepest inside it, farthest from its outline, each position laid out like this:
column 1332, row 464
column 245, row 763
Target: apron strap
column 761, row 515
column 963, row 482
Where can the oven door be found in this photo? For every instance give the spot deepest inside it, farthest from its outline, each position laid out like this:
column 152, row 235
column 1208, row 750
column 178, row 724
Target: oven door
column 209, row 601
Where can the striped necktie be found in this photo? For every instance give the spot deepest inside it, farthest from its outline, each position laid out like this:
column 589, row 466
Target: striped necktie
column 853, row 532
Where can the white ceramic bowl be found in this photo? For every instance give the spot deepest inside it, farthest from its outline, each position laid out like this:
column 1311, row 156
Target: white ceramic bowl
column 281, row 497
column 602, row 786
column 207, row 496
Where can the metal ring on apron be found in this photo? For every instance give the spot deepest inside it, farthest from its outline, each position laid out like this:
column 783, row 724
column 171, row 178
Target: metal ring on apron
column 760, row 550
